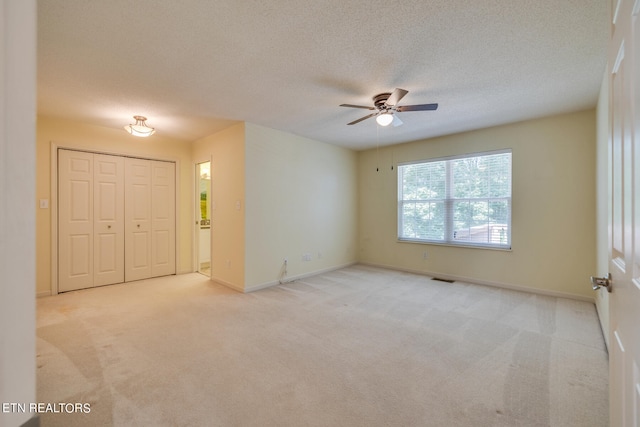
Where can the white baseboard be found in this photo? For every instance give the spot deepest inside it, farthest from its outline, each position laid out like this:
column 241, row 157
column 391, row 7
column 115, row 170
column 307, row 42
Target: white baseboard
column 486, row 283
column 297, row 277
column 227, row 284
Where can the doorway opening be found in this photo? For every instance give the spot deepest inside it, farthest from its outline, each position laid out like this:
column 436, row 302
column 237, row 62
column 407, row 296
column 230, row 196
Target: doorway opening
column 203, row 219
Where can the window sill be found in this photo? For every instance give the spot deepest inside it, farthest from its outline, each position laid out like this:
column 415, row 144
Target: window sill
column 456, row 245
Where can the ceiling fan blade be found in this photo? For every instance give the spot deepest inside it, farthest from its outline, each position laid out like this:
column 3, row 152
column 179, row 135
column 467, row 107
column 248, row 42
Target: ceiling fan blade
column 396, row 96
column 361, row 119
column 357, row 106
column 420, row 107
column 396, row 121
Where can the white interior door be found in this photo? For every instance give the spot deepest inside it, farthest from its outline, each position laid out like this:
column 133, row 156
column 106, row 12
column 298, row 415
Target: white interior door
column 624, row 221
column 108, row 219
column 163, row 219
column 75, row 220
column 137, row 219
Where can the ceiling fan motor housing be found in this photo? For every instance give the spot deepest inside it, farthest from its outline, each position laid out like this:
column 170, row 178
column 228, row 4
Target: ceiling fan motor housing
column 380, row 99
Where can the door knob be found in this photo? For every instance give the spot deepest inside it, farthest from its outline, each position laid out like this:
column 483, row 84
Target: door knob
column 601, row 282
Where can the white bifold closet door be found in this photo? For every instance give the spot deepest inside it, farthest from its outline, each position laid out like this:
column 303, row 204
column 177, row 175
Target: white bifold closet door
column 150, row 219
column 116, row 219
column 91, row 219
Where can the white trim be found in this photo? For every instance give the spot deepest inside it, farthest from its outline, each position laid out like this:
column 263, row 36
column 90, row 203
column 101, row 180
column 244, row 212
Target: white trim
column 177, row 174
column 290, row 279
column 53, row 206
column 195, row 240
column 194, row 233
column 472, row 280
column 227, row 284
column 79, row 147
column 465, row 245
column 298, row 277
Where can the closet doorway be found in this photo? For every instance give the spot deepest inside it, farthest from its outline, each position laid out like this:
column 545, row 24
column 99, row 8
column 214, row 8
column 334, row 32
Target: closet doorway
column 116, row 219
column 203, row 217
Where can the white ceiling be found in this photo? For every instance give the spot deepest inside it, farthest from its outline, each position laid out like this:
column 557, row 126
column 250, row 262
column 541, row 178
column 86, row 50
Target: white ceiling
column 194, row 67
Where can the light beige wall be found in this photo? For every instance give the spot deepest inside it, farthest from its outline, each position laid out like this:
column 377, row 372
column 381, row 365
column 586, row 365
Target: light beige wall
column 71, row 134
column 301, row 199
column 227, row 151
column 602, row 197
column 17, row 201
column 553, row 213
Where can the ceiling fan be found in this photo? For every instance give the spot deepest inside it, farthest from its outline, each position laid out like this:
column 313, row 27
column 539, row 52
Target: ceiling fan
column 385, row 105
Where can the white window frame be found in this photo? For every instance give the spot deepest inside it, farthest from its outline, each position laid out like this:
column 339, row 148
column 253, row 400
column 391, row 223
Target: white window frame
column 448, row 201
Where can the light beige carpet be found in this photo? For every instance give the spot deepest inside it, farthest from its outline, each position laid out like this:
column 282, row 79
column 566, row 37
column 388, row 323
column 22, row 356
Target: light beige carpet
column 359, row 346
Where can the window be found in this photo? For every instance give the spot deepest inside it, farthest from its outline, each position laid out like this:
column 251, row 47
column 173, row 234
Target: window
column 464, row 200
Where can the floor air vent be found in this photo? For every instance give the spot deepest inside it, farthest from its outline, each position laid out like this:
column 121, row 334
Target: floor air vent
column 442, row 280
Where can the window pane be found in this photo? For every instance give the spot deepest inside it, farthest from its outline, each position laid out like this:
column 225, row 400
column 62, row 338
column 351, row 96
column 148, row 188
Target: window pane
column 500, row 175
column 423, row 220
column 423, row 181
column 408, row 214
column 434, row 221
column 482, row 176
column 469, row 178
column 461, row 215
column 499, row 222
column 470, row 221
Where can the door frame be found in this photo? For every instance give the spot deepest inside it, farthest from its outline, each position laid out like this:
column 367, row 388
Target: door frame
column 195, row 250
column 53, row 204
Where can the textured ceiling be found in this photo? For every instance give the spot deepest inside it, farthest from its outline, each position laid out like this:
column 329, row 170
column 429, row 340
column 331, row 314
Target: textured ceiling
column 193, row 67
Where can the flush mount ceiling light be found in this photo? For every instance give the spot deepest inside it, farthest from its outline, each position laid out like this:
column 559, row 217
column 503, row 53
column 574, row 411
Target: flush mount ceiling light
column 140, row 128
column 384, row 119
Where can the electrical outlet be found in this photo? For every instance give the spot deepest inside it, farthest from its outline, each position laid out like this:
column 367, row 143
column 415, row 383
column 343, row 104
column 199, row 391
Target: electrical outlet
column 425, row 255
column 306, row 257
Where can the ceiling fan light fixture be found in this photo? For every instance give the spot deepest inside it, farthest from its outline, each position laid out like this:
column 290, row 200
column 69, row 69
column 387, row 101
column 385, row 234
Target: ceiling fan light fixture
column 384, row 119
column 385, row 105
column 140, row 127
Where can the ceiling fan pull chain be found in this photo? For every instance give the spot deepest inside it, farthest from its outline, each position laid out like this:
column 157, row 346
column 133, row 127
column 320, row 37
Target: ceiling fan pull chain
column 377, row 149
